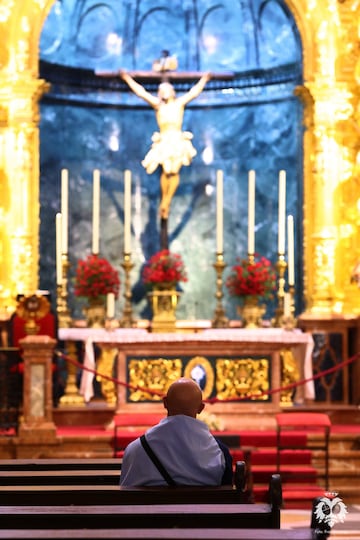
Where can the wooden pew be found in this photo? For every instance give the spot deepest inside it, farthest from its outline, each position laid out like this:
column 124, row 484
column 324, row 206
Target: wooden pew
column 33, row 507
column 149, row 516
column 113, row 495
column 95, row 493
column 60, row 464
column 63, row 477
column 95, row 487
column 158, row 534
column 65, row 480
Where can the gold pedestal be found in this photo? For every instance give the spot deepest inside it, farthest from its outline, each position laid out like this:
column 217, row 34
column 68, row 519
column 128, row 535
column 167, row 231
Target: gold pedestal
column 71, row 395
column 163, row 304
column 95, row 314
column 251, row 312
column 105, row 366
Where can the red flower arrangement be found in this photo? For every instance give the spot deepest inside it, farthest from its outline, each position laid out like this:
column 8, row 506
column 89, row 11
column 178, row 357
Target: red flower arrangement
column 164, row 267
column 252, row 279
column 95, row 277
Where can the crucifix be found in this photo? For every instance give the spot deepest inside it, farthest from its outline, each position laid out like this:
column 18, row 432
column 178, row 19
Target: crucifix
column 171, row 147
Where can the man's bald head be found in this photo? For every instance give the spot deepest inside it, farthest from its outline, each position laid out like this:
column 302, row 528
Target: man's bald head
column 184, row 397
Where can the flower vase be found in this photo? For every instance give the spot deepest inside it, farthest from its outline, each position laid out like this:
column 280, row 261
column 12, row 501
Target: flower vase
column 164, row 299
column 95, row 313
column 251, row 312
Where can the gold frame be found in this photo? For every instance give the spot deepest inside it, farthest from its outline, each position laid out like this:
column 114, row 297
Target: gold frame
column 330, row 39
column 209, row 372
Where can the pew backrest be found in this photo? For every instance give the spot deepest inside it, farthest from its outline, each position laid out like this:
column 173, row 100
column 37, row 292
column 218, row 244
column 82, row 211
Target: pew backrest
column 161, row 516
column 60, row 464
column 157, row 534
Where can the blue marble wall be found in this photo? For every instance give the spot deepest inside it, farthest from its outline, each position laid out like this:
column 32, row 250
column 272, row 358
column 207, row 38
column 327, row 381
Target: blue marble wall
column 242, row 125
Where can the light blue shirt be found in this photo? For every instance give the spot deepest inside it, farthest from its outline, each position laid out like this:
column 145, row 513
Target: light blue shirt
column 185, row 447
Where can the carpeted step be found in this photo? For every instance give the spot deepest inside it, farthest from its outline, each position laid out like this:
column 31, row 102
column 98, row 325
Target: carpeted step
column 289, row 473
column 299, row 496
column 269, row 438
column 269, row 457
column 294, row 495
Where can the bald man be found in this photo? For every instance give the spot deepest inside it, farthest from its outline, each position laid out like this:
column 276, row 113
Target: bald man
column 183, row 444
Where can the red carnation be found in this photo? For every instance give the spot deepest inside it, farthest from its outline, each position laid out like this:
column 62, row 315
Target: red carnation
column 95, row 277
column 252, row 279
column 164, row 267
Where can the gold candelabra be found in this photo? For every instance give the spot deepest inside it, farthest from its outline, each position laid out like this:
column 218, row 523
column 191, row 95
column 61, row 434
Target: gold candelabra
column 127, row 320
column 281, row 266
column 220, row 320
column 62, row 309
column 289, row 321
column 284, row 314
column 71, row 396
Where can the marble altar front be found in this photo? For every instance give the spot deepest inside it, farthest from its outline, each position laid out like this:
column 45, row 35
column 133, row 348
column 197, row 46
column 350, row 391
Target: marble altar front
column 145, row 361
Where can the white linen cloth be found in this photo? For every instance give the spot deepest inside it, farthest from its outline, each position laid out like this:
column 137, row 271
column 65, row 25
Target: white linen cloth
column 301, row 344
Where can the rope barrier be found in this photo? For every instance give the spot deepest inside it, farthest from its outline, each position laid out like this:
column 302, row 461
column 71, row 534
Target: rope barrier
column 214, row 399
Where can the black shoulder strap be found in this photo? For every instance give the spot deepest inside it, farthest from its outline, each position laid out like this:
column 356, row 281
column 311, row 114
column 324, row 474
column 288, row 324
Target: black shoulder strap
column 156, row 461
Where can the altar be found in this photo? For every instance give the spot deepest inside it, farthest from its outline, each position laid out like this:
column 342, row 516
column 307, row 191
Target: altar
column 236, row 368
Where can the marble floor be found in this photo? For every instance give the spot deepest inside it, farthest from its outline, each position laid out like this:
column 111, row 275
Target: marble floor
column 349, row 530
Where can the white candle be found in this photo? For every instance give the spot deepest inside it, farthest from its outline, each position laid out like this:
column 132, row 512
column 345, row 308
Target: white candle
column 291, row 266
column 110, row 305
column 58, row 229
column 64, row 209
column 96, row 212
column 282, row 211
column 287, row 304
column 127, row 211
column 251, row 212
column 219, row 211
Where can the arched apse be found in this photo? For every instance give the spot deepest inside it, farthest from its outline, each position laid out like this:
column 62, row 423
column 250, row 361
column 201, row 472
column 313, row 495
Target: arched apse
column 329, row 36
column 252, row 122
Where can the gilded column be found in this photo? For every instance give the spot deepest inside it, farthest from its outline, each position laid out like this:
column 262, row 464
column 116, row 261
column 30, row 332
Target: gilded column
column 20, row 92
column 332, row 100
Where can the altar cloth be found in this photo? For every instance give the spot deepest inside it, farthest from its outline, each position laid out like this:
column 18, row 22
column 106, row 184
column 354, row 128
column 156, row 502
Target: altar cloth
column 301, row 344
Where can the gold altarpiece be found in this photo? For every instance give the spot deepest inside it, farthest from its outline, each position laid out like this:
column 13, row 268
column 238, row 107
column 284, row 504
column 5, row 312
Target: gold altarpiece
column 329, row 31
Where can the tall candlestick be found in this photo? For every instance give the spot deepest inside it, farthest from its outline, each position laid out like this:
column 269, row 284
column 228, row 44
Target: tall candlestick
column 287, row 312
column 127, row 211
column 219, row 211
column 58, row 229
column 96, row 212
column 110, row 305
column 282, row 211
column 251, row 212
column 291, row 266
column 64, row 209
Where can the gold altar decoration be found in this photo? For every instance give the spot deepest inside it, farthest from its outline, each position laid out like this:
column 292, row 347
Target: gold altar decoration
column 95, row 313
column 289, row 375
column 105, row 365
column 155, row 374
column 330, row 95
column 164, row 302
column 242, row 378
column 199, row 368
column 219, row 320
column 31, row 308
column 281, row 266
column 127, row 319
column 62, row 307
column 71, row 395
column 251, row 312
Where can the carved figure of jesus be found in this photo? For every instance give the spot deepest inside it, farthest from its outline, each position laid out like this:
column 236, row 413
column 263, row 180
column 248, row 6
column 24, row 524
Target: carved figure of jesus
column 171, row 147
